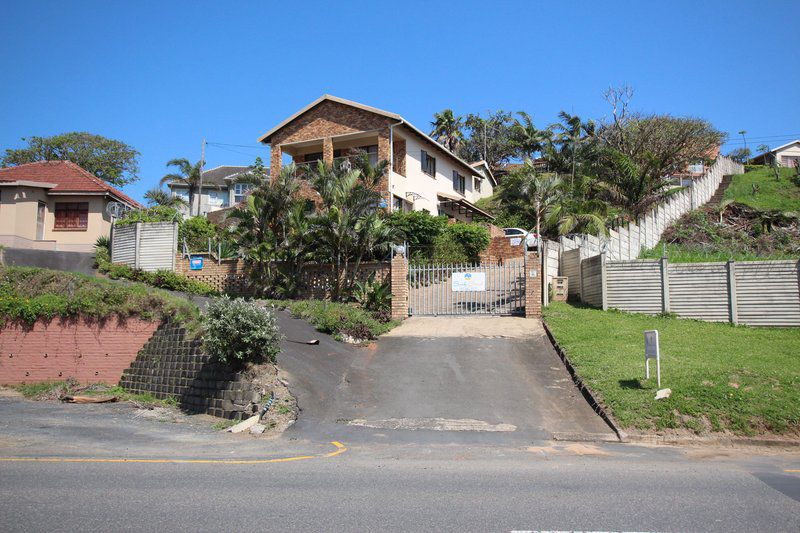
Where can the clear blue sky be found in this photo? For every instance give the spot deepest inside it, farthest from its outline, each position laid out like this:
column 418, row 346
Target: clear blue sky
column 163, row 75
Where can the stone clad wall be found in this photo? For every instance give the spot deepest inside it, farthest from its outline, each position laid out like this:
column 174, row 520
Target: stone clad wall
column 89, row 352
column 172, row 364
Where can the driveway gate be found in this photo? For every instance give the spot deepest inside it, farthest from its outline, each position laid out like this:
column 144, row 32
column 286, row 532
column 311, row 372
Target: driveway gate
column 467, row 289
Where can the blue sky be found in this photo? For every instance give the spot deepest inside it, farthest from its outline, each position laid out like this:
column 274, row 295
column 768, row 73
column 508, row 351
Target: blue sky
column 163, row 75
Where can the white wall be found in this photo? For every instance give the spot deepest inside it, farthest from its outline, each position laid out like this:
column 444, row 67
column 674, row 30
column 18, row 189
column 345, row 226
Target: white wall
column 427, row 186
column 790, row 151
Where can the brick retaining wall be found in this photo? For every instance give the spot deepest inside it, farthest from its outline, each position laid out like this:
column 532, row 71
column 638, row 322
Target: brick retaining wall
column 500, row 250
column 57, row 350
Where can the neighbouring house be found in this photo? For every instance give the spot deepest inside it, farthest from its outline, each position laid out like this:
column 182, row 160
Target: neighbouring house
column 220, row 189
column 787, row 155
column 55, row 205
column 422, row 174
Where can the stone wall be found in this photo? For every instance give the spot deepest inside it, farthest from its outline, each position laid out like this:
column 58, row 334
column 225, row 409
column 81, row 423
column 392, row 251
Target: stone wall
column 89, row 352
column 399, row 285
column 533, row 286
column 172, row 364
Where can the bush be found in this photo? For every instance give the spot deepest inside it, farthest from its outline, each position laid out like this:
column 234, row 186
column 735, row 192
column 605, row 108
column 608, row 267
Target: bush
column 461, row 243
column 163, row 279
column 158, row 213
column 337, row 319
column 196, row 231
column 419, row 228
column 237, row 331
column 375, row 297
column 30, row 294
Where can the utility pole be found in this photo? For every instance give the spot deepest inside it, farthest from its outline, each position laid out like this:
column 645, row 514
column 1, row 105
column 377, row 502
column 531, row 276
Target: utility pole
column 743, row 133
column 202, row 164
column 485, row 157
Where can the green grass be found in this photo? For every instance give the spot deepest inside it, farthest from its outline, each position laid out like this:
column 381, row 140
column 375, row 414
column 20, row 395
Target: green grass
column 337, row 319
column 782, row 194
column 31, row 294
column 723, row 378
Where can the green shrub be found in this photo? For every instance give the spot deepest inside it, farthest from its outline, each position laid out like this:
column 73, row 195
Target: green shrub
column 419, row 228
column 460, row 243
column 337, row 319
column 163, row 279
column 30, row 294
column 157, row 213
column 196, row 231
column 237, row 331
column 375, row 297
column 447, row 250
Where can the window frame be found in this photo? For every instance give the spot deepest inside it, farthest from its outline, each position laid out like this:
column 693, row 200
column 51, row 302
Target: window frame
column 459, row 183
column 62, row 222
column 428, row 164
column 244, row 189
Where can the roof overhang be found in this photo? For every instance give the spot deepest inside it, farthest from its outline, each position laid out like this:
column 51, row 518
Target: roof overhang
column 27, row 183
column 461, row 205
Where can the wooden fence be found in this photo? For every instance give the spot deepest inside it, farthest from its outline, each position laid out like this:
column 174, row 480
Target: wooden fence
column 757, row 293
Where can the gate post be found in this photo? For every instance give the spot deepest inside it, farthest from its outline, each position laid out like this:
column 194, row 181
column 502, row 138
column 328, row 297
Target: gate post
column 533, row 286
column 398, row 276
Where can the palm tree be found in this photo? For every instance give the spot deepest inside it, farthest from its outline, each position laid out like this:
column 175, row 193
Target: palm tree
column 632, row 187
column 189, row 175
column 156, row 196
column 571, row 133
column 538, row 193
column 528, row 139
column 348, row 227
column 447, row 129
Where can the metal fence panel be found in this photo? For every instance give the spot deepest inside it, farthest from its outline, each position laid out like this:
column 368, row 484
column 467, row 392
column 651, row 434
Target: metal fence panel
column 431, row 291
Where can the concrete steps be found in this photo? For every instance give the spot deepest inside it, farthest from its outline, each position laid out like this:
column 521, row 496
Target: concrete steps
column 720, row 192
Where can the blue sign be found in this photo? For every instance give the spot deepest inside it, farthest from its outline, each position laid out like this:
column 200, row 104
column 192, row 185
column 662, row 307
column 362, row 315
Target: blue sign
column 196, row 262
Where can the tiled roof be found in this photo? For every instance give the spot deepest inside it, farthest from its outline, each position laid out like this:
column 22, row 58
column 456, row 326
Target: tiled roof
column 67, row 176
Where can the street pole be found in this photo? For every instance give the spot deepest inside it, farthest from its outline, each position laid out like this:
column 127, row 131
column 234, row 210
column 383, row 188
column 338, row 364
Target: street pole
column 202, row 164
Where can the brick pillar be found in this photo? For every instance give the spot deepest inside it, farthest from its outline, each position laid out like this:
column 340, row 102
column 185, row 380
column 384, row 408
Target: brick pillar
column 384, row 155
column 533, row 286
column 399, row 280
column 327, row 150
column 276, row 160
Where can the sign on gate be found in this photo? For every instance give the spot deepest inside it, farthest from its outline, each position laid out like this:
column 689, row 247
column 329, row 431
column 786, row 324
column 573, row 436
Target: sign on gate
column 469, row 281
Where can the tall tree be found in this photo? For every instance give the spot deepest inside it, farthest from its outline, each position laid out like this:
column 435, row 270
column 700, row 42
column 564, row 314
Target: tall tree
column 447, row 129
column 532, row 193
column 110, row 160
column 490, row 138
column 573, row 135
column 528, row 139
column 189, row 175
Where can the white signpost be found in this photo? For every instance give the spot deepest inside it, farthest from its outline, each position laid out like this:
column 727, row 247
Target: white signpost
column 469, row 281
column 652, row 351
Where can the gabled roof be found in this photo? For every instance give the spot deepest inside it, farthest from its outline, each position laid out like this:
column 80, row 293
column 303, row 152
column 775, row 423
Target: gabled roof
column 223, row 174
column 67, row 177
column 266, row 138
column 797, row 141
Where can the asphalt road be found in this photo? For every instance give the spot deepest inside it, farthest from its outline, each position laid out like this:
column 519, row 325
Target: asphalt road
column 106, row 467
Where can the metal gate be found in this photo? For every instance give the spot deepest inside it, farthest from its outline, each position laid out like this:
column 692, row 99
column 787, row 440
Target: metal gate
column 467, row 289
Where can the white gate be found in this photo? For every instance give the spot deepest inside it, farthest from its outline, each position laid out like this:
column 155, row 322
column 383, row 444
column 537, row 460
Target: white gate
column 467, row 289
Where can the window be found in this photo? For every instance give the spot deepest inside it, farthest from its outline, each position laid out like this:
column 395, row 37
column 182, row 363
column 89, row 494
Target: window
column 372, row 153
column 398, row 204
column 240, row 191
column 428, row 164
column 311, row 158
column 790, row 161
column 477, row 185
column 459, row 182
column 72, row 216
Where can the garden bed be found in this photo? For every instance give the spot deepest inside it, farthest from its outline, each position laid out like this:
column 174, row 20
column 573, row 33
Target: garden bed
column 344, row 321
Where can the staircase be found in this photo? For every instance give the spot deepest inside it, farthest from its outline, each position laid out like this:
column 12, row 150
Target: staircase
column 720, row 193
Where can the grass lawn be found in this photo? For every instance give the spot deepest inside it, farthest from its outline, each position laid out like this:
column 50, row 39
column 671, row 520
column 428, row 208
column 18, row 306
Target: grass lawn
column 723, row 378
column 781, row 194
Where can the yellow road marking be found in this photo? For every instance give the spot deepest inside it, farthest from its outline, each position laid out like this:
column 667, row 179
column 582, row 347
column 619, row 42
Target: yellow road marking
column 340, row 448
column 792, row 471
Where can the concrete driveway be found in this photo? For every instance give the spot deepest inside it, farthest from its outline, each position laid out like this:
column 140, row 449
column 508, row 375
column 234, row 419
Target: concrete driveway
column 498, row 377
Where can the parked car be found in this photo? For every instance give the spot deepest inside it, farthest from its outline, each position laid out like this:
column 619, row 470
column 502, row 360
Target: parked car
column 531, row 239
